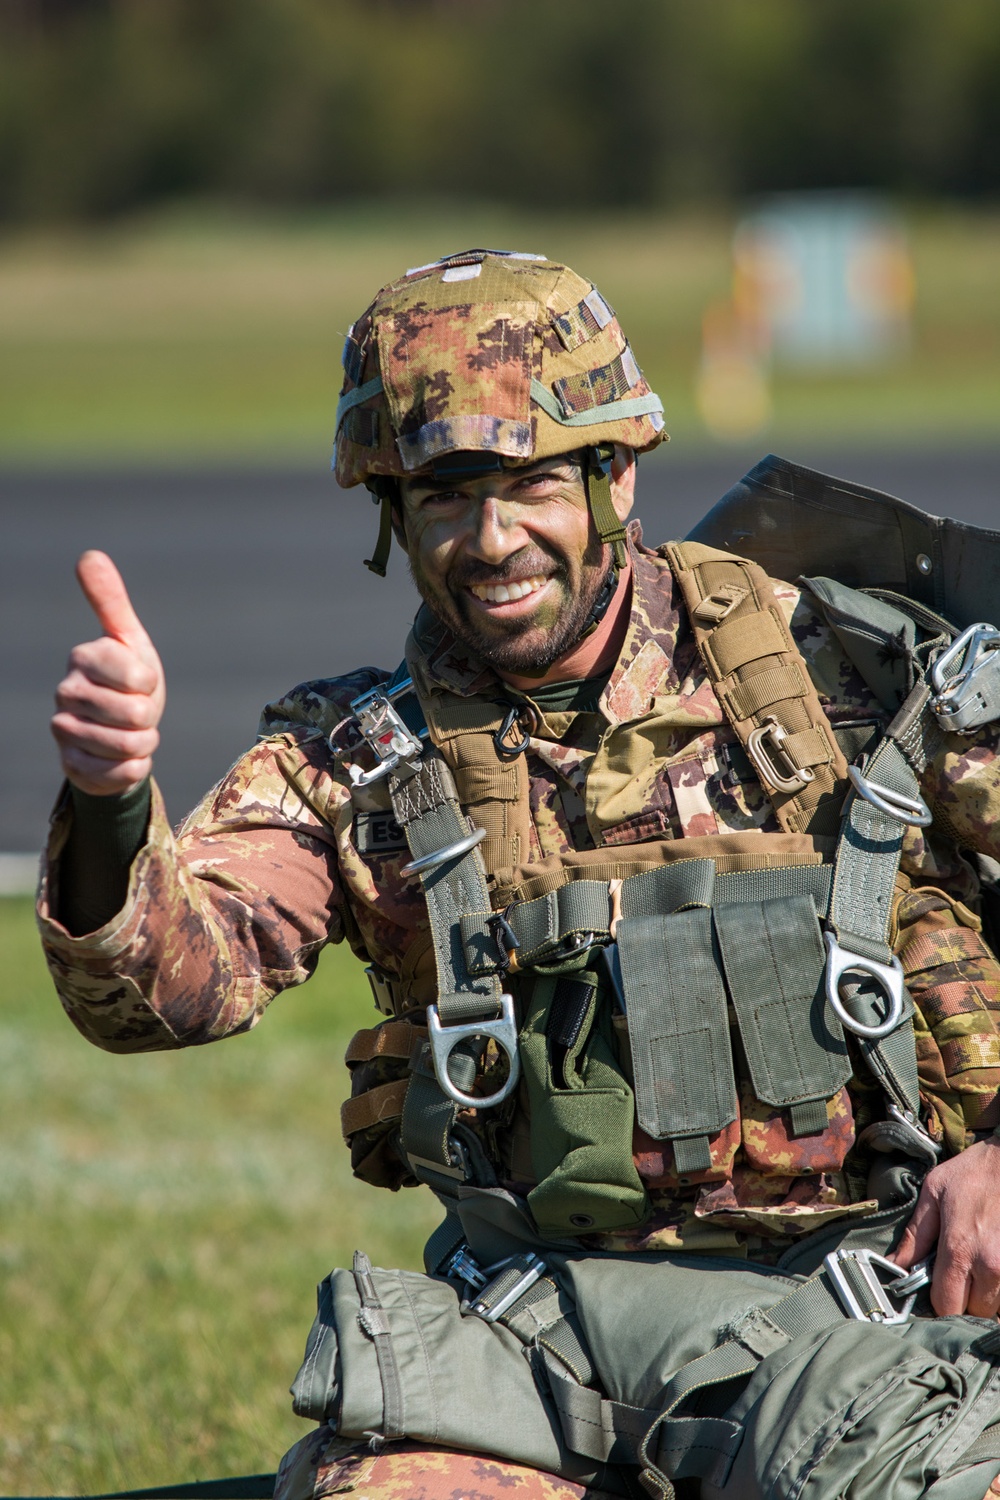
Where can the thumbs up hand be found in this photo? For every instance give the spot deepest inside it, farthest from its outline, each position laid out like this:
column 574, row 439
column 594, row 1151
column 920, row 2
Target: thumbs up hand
column 111, row 699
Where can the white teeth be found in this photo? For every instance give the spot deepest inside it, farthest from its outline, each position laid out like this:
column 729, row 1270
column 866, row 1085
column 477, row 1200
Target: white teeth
column 503, row 593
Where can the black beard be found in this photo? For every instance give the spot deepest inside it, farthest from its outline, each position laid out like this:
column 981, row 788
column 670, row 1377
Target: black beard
column 512, row 653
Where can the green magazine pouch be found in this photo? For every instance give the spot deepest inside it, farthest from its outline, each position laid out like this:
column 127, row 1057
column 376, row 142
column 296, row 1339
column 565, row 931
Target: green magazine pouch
column 582, row 1111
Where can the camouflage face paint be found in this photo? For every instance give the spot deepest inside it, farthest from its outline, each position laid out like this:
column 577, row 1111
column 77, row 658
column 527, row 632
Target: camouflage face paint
column 509, row 562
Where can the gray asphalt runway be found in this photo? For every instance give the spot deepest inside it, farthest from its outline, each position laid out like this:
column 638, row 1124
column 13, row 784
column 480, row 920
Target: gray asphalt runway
column 252, row 581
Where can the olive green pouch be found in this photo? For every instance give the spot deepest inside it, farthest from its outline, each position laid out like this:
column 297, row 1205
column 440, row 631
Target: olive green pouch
column 582, row 1111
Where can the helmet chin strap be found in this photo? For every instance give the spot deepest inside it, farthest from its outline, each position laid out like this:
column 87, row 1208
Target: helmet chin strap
column 601, row 604
column 597, row 478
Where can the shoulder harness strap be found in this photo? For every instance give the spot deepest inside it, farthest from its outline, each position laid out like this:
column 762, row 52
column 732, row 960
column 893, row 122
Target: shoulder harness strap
column 762, row 683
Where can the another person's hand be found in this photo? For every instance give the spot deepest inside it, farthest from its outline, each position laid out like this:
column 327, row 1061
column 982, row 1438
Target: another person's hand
column 111, row 699
column 959, row 1211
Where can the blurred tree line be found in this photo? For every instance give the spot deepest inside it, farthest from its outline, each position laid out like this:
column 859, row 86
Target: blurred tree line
column 109, row 105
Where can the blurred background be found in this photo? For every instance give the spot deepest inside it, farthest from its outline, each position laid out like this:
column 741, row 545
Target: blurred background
column 795, row 210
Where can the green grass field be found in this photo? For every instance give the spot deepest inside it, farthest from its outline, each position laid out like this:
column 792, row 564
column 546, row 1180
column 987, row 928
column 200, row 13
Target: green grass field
column 164, row 1221
column 190, row 336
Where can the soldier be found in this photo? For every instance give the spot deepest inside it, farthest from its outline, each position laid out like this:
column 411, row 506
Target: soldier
column 638, row 847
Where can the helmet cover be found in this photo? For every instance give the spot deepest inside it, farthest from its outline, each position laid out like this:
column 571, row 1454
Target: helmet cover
column 487, row 351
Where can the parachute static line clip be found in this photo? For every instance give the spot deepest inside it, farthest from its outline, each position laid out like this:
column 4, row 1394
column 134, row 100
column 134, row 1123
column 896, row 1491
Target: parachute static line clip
column 383, row 730
column 840, row 961
column 963, row 702
column 856, row 1279
column 768, row 741
column 913, row 811
column 444, row 1039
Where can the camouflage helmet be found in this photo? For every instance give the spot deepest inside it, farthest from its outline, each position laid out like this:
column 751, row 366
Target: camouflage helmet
column 494, row 353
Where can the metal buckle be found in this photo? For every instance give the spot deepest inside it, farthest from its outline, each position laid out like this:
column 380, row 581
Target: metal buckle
column 442, row 856
column 839, row 961
column 971, row 697
column 444, row 1040
column 383, row 729
column 462, row 1266
column 534, row 1269
column 864, row 1264
column 913, row 811
column 772, row 731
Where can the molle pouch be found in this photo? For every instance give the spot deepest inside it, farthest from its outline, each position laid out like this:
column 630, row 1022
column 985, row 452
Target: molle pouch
column 581, row 1109
column 391, row 1354
column 678, row 1024
column 774, row 962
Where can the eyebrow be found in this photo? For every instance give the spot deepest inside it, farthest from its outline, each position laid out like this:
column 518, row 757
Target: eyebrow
column 442, row 486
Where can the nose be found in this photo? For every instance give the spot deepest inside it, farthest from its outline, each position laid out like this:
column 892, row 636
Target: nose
column 498, row 533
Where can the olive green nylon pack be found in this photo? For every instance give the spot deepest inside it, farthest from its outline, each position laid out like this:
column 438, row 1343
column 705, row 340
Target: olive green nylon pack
column 822, row 1408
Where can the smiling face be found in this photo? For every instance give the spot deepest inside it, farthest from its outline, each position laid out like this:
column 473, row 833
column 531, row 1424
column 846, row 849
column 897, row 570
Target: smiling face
column 511, row 562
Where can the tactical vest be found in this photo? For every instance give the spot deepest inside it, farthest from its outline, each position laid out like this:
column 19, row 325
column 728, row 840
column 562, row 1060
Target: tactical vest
column 635, row 1016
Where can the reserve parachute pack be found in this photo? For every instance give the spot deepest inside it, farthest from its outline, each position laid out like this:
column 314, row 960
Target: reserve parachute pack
column 599, row 986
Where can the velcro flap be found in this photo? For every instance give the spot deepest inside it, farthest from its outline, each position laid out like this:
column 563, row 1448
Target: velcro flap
column 745, row 639
column 394, row 1039
column 373, row 1107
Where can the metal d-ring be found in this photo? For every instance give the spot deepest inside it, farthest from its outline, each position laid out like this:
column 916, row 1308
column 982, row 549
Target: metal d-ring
column 913, row 811
column 840, row 962
column 510, row 752
column 444, row 1039
column 442, row 856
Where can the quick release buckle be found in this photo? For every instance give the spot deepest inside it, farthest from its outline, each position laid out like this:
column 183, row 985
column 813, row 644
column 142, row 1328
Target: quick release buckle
column 766, row 743
column 382, row 728
column 444, row 1039
column 855, row 1275
column 971, row 697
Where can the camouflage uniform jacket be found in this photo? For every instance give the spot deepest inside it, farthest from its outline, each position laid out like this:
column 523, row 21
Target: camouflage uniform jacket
column 278, row 860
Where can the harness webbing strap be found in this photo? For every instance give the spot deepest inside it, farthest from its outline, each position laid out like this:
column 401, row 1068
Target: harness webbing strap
column 861, row 904
column 758, row 675
column 426, row 807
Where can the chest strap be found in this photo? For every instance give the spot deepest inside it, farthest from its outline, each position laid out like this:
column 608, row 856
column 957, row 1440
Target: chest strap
column 762, row 684
column 471, row 1008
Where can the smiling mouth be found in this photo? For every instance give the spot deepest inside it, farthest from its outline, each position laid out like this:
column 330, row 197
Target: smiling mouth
column 507, row 593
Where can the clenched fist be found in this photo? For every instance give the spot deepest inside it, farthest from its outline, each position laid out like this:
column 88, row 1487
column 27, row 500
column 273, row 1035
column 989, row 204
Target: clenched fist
column 111, row 699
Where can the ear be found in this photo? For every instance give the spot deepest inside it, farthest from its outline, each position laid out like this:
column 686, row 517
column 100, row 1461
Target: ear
column 623, row 468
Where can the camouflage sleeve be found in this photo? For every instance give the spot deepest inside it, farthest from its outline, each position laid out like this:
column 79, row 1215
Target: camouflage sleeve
column 218, row 918
column 962, row 785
